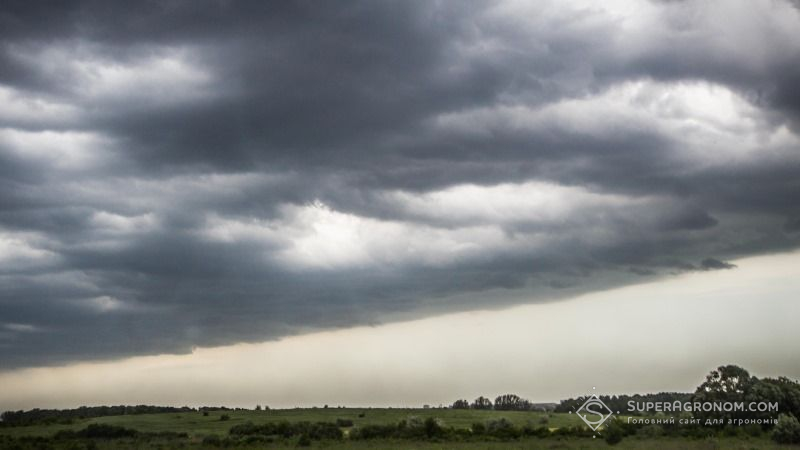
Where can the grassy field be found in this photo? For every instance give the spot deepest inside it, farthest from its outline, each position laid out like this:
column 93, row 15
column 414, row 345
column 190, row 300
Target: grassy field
column 198, row 426
column 195, row 424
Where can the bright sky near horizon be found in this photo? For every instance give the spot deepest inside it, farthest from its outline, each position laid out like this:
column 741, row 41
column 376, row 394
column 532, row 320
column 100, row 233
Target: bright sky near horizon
column 659, row 336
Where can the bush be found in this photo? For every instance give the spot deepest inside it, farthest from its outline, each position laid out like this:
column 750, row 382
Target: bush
column 245, row 429
column 323, row 430
column 650, row 431
column 433, row 428
column 787, row 431
column 344, row 423
column 540, row 432
column 502, row 429
column 104, row 431
column 753, row 430
column 224, row 417
column 316, row 431
column 613, row 433
column 544, row 420
column 304, row 441
column 212, row 440
column 374, row 432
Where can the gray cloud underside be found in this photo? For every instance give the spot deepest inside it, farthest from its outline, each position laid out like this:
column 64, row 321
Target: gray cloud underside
column 177, row 174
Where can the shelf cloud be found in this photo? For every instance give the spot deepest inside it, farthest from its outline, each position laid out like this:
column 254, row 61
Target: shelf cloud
column 206, row 173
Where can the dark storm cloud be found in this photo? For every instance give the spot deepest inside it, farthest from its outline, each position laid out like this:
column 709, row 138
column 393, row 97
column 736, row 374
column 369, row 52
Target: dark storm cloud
column 175, row 174
column 715, row 264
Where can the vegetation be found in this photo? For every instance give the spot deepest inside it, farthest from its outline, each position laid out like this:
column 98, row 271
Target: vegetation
column 412, row 430
column 787, row 431
column 509, row 420
column 46, row 416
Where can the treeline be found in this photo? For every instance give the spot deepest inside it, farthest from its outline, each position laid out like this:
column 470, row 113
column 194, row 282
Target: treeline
column 64, row 416
column 505, row 402
column 620, row 402
column 726, row 384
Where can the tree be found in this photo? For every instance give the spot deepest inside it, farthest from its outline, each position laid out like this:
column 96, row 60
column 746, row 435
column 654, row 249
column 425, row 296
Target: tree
column 782, row 390
column 511, row 402
column 460, row 404
column 787, row 431
column 725, row 384
column 482, row 403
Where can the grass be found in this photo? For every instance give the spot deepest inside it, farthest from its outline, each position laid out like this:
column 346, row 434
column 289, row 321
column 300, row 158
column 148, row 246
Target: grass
column 198, row 426
column 195, row 424
column 527, row 444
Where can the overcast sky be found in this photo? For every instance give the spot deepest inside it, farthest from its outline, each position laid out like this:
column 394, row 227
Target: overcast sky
column 191, row 174
column 659, row 336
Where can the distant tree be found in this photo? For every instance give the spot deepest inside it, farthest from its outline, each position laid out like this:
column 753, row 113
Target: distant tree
column 258, row 407
column 511, row 402
column 482, row 403
column 725, row 384
column 460, row 404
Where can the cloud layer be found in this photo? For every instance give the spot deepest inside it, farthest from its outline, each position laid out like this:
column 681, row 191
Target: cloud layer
column 189, row 173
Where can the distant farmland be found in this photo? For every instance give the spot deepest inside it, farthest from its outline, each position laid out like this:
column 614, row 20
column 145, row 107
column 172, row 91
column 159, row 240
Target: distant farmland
column 457, row 429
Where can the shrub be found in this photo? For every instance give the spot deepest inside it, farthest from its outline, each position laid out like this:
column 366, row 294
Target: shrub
column 787, row 431
column 224, row 417
column 65, row 435
column 502, row 429
column 317, row 431
column 374, row 431
column 344, row 422
column 304, row 441
column 753, row 430
column 322, row 430
column 544, row 420
column 105, row 431
column 212, row 440
column 540, row 432
column 433, row 428
column 650, row 431
column 613, row 433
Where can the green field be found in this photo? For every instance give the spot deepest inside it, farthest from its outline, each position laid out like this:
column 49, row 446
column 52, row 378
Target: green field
column 198, row 426
column 195, row 424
